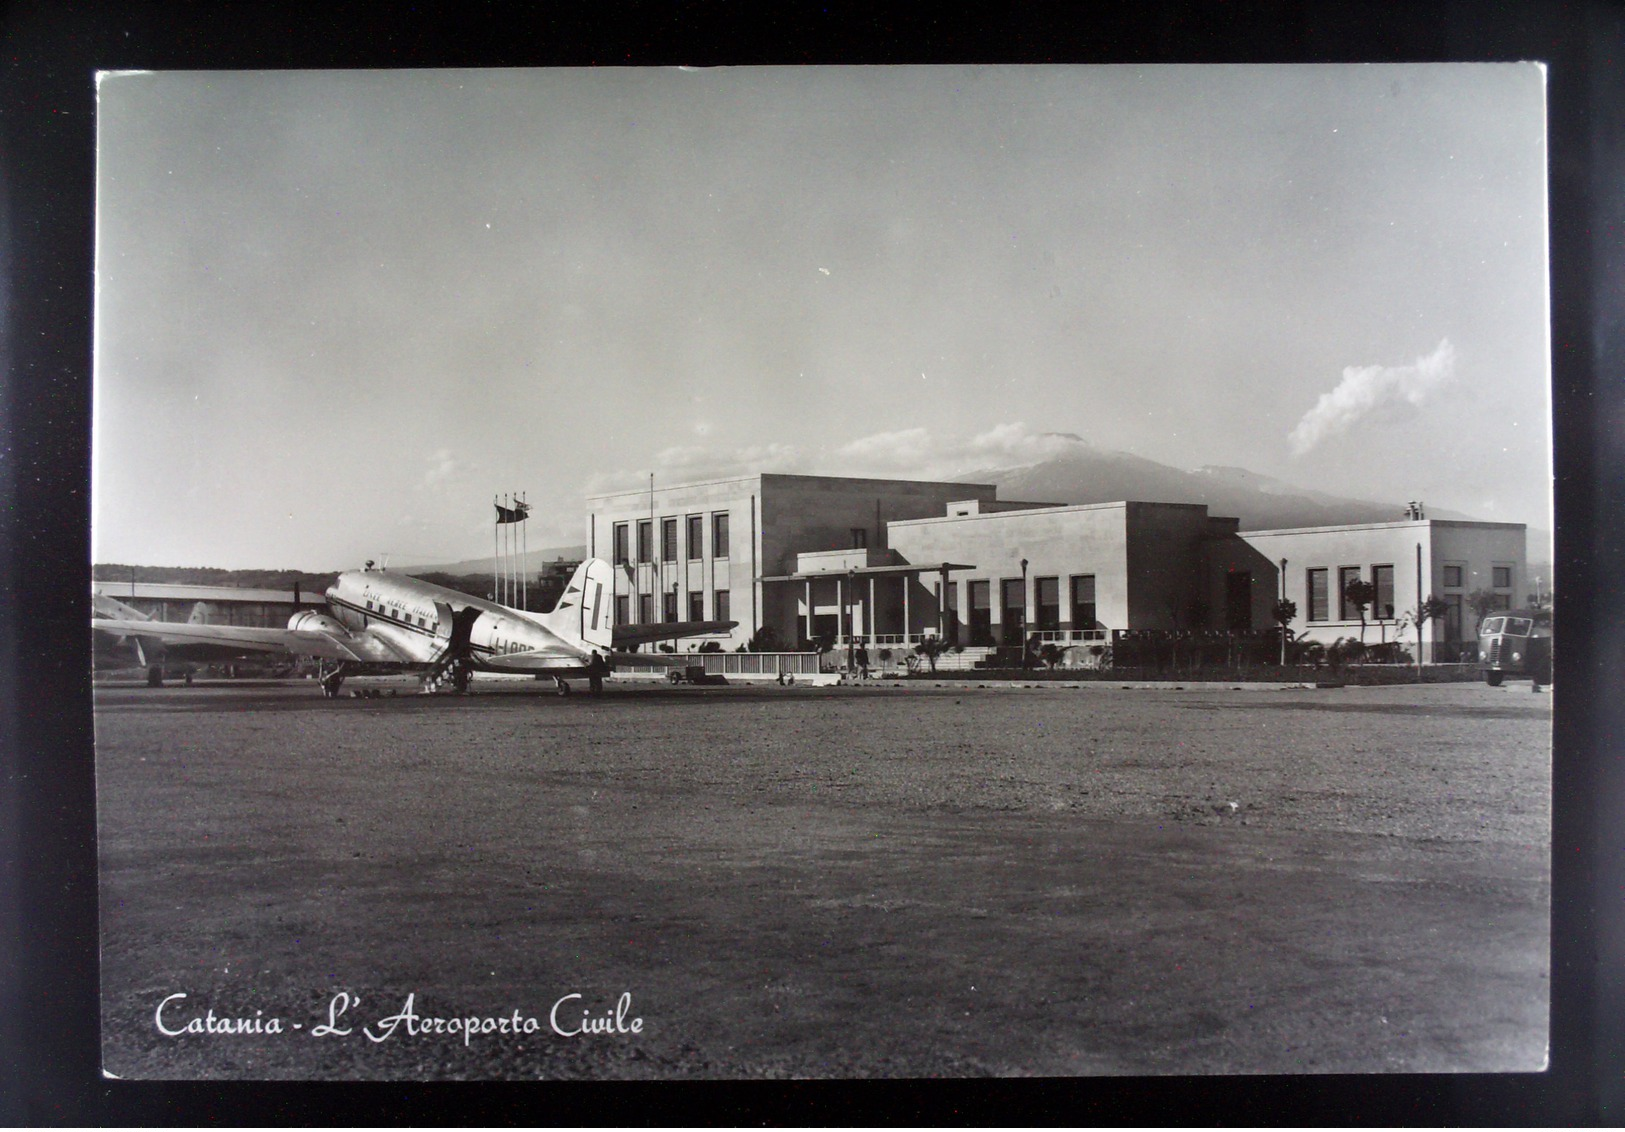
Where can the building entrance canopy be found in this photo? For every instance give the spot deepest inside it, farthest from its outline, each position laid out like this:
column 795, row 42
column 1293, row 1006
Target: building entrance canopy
column 870, row 613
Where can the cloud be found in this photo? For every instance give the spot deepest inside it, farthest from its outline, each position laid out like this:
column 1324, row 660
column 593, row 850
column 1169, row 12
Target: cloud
column 908, row 453
column 905, row 448
column 443, row 467
column 695, row 463
column 1364, row 389
column 916, row 452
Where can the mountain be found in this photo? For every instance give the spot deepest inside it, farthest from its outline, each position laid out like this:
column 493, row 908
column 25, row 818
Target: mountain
column 1086, row 474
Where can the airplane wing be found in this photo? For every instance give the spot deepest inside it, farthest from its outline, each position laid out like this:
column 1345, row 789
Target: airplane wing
column 666, row 630
column 222, row 640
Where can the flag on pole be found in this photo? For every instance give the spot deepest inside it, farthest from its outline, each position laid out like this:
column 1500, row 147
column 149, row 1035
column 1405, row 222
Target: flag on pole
column 514, row 514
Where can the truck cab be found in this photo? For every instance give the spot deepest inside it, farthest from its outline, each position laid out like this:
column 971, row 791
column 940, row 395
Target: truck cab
column 1516, row 642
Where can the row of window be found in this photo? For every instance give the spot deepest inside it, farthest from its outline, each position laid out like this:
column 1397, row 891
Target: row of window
column 396, row 615
column 1013, row 605
column 668, row 607
column 695, row 540
column 1380, row 603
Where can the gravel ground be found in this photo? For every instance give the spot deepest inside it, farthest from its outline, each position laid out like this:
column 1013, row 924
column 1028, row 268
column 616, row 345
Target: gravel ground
column 827, row 882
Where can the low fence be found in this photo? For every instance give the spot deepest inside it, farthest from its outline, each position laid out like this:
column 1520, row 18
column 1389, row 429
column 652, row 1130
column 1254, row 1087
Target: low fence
column 746, row 664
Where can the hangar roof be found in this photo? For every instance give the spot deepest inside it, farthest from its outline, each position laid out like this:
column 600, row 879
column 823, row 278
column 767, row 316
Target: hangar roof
column 169, row 591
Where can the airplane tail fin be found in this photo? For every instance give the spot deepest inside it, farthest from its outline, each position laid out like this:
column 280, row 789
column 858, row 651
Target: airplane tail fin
column 585, row 610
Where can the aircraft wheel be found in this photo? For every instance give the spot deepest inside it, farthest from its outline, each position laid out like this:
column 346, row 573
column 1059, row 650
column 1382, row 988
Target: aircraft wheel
column 564, row 689
column 1493, row 679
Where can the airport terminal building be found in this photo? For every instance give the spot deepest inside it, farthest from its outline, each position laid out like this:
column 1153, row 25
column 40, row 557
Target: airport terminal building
column 887, row 563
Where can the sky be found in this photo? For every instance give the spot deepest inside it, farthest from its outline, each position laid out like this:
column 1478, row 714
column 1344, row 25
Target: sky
column 338, row 312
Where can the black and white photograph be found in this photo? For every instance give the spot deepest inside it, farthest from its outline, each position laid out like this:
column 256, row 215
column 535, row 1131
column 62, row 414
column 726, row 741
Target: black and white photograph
column 828, row 572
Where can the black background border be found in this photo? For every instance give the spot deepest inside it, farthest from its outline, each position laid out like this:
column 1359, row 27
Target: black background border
column 49, row 1036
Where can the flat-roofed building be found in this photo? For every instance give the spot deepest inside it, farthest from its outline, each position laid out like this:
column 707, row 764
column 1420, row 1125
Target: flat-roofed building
column 703, row 551
column 1406, row 561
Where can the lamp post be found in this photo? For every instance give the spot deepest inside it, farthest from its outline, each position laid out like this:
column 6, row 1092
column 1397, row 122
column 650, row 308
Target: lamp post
column 1283, row 623
column 1024, row 613
column 851, row 589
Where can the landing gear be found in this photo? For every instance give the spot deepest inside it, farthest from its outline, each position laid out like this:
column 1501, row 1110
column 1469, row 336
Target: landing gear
column 563, row 688
column 461, row 674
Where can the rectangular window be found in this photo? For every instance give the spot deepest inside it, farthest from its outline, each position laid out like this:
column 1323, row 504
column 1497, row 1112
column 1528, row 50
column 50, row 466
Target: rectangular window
column 620, row 544
column 670, row 610
column 860, row 538
column 981, row 613
column 719, row 605
column 696, row 537
column 1012, row 609
column 950, row 600
column 623, row 609
column 1452, row 617
column 719, row 535
column 646, row 540
column 696, row 606
column 1503, row 601
column 1347, row 610
column 1049, row 603
column 1452, row 577
column 1319, row 608
column 1501, row 577
column 668, row 540
column 1383, row 578
column 646, row 608
column 1083, row 601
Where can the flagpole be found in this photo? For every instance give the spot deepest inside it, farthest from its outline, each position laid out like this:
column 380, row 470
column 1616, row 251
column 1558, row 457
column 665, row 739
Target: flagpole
column 524, row 554
column 496, row 535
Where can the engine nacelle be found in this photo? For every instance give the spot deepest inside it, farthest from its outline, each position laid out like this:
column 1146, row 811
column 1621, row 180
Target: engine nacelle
column 320, row 622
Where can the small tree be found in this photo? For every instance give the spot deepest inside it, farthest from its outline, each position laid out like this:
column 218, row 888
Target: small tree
column 931, row 648
column 1482, row 603
column 1284, row 611
column 1432, row 609
column 765, row 639
column 1360, row 593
